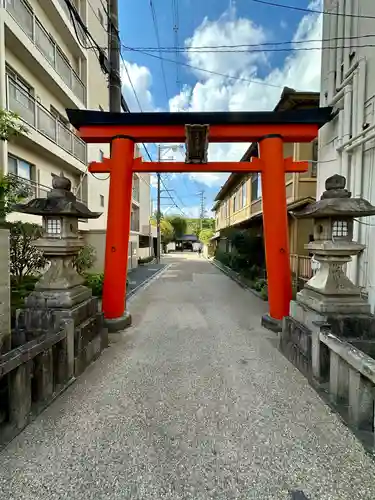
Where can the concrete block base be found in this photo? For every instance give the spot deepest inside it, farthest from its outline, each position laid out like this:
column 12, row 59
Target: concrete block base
column 117, row 324
column 275, row 325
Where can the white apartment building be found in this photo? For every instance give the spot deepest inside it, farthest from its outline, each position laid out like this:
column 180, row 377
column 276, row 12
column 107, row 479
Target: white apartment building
column 44, row 69
column 347, row 143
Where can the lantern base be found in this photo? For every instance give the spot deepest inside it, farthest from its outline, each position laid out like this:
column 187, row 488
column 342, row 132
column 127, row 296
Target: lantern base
column 58, row 299
column 275, row 325
column 331, row 304
column 115, row 325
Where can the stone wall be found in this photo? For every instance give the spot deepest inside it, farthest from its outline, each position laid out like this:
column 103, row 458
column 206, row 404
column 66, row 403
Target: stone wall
column 4, row 291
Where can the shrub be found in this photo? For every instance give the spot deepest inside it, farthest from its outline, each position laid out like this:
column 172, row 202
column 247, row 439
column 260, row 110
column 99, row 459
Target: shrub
column 25, row 258
column 145, row 260
column 223, row 257
column 260, row 284
column 19, row 290
column 95, row 282
column 85, row 259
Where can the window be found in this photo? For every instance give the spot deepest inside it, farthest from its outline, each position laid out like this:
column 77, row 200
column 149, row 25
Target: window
column 339, row 229
column 235, row 203
column 53, row 226
column 101, row 200
column 19, row 167
column 244, row 194
column 254, row 187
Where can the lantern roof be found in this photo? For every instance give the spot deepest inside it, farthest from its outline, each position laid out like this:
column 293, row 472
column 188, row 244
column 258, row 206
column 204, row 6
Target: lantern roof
column 336, row 201
column 60, row 201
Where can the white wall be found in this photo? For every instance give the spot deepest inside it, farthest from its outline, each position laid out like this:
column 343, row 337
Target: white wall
column 356, row 111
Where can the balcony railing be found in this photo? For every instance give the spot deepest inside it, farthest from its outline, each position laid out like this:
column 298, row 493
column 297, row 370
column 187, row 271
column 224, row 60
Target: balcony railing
column 78, row 31
column 34, row 114
column 33, row 28
column 29, row 189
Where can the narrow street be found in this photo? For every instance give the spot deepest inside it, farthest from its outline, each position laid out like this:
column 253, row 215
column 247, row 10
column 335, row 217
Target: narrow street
column 194, row 402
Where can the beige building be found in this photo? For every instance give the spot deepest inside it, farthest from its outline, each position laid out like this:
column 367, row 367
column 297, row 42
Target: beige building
column 239, row 202
column 44, row 69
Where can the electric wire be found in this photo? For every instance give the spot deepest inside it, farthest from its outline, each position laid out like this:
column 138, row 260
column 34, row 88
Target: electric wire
column 261, row 44
column 156, row 28
column 311, row 11
column 237, row 78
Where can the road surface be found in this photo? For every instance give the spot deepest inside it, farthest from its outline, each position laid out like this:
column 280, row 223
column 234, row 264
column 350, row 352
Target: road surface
column 195, row 402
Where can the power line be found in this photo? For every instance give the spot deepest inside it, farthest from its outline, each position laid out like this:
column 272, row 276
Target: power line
column 206, row 70
column 265, row 50
column 154, row 19
column 310, row 11
column 176, row 22
column 246, row 45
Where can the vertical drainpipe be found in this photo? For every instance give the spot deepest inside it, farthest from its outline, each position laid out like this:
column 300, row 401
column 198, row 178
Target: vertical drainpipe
column 332, row 19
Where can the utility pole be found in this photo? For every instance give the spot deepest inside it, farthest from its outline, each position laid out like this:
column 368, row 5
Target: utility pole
column 202, row 210
column 114, row 79
column 158, row 214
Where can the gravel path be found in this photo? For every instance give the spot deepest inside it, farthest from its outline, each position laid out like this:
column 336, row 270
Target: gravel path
column 195, row 402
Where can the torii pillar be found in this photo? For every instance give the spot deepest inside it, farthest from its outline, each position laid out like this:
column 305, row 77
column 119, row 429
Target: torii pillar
column 272, row 167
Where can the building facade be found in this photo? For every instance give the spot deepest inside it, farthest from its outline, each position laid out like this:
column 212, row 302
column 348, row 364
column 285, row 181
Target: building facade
column 346, row 144
column 239, row 202
column 46, row 66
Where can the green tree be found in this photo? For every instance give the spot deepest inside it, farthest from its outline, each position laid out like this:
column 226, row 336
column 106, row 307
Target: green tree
column 10, row 125
column 205, row 235
column 12, row 189
column 178, row 223
column 25, row 258
column 166, row 228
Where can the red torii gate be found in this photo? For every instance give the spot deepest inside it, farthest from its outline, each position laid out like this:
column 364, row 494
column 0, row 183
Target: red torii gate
column 269, row 129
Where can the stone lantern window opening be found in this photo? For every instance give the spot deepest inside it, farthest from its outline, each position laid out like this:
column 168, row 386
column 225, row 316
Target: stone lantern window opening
column 53, row 226
column 340, row 229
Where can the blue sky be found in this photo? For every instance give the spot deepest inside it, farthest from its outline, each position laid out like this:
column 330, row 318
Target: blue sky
column 258, row 78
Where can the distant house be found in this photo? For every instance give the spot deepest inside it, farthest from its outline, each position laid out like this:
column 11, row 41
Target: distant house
column 186, row 242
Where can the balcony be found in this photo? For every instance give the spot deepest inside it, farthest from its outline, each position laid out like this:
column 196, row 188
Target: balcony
column 78, row 31
column 33, row 28
column 38, row 117
column 29, row 189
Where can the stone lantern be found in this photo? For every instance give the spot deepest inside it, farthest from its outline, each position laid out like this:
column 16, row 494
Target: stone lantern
column 60, row 286
column 330, row 291
column 60, row 294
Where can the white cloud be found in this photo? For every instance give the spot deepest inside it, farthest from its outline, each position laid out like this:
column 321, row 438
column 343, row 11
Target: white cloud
column 141, row 79
column 300, row 70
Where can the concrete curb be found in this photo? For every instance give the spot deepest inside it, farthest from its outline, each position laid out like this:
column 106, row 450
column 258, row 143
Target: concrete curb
column 234, row 276
column 146, row 282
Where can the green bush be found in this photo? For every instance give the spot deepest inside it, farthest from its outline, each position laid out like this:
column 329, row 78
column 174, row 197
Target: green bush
column 260, row 284
column 95, row 282
column 25, row 258
column 19, row 290
column 85, row 259
column 145, row 260
column 223, row 257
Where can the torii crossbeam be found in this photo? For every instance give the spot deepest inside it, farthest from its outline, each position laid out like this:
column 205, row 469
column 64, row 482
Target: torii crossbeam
column 269, row 129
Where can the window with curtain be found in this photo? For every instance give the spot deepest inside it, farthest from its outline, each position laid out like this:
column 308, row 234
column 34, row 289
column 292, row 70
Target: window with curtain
column 244, row 194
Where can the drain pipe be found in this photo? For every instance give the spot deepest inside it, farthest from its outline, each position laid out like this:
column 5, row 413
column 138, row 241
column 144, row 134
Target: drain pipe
column 347, row 128
column 332, row 54
column 339, row 43
column 358, row 161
